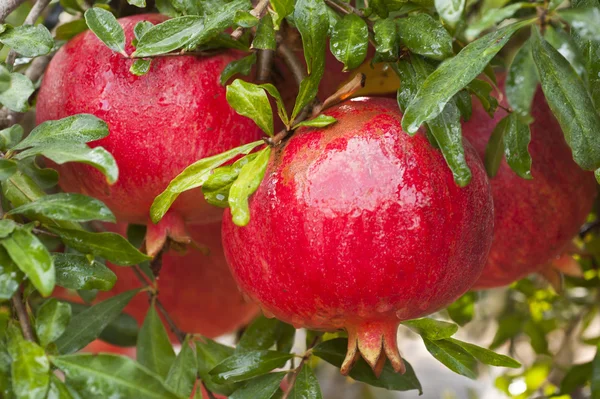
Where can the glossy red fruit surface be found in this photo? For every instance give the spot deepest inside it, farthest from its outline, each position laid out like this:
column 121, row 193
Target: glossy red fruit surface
column 159, row 123
column 359, row 226
column 535, row 219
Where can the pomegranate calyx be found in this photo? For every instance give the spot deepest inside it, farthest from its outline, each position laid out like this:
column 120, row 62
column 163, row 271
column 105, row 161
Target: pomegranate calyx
column 172, row 227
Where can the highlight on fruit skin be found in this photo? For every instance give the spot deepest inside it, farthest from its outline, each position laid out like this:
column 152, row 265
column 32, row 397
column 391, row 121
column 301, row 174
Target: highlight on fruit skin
column 534, row 220
column 159, row 123
column 359, row 226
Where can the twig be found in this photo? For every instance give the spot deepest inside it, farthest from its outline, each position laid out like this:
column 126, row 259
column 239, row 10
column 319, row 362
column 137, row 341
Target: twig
column 264, row 64
column 291, row 61
column 17, row 301
column 8, row 6
column 357, row 83
column 256, row 12
column 294, row 375
column 33, row 15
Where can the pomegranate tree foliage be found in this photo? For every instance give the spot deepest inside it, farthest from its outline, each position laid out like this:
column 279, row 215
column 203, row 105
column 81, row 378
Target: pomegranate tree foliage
column 442, row 50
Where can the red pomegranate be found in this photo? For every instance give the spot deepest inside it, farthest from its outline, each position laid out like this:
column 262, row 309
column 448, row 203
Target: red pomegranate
column 159, row 123
column 196, row 288
column 359, row 226
column 535, row 219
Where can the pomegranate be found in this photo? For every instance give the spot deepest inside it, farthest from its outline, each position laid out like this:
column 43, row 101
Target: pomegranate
column 196, row 288
column 536, row 219
column 359, row 226
column 159, row 123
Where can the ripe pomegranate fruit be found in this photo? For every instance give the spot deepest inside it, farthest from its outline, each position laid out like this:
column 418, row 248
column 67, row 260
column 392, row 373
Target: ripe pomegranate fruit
column 535, row 219
column 197, row 289
column 159, row 123
column 359, row 226
column 99, row 346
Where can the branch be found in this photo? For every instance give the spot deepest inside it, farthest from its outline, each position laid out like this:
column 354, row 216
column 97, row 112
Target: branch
column 23, row 317
column 34, row 14
column 264, row 64
column 292, row 62
column 8, row 6
column 256, row 12
column 294, row 376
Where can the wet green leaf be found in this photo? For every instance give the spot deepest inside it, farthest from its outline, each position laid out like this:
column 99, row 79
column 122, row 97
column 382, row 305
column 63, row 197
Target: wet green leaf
column 521, row 81
column 566, row 46
column 251, row 101
column 487, row 356
column 58, row 389
column 154, row 350
column 7, row 168
column 494, row 151
column 453, row 356
column 432, row 329
column 242, row 66
column 140, row 67
column 263, row 387
column 245, row 19
column 262, row 333
column 121, row 331
column 10, row 276
column 281, row 9
column 307, row 385
column 483, row 91
column 106, row 27
column 450, row 11
column 77, row 272
column 590, row 51
column 265, row 34
column 210, row 354
column 52, row 320
column 30, row 370
column 584, row 21
column 16, row 97
column 491, row 18
column 137, row 3
column 44, row 177
column 319, row 121
column 10, row 136
column 386, row 40
column 28, row 40
column 425, row 36
column 182, row 374
column 349, row 41
column 246, row 365
column 463, row 309
column 66, row 206
column 516, row 143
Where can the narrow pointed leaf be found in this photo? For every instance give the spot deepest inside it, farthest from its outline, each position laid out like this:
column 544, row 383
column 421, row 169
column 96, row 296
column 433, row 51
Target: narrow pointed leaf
column 521, row 81
column 246, row 365
column 77, row 272
column 209, row 355
column 432, row 329
column 242, row 66
column 453, row 356
column 263, row 387
column 154, row 350
column 306, row 385
column 52, row 320
column 320, row 121
column 425, row 36
column 590, row 52
column 350, row 40
column 487, row 356
column 516, row 143
column 66, row 206
column 182, row 374
column 265, row 35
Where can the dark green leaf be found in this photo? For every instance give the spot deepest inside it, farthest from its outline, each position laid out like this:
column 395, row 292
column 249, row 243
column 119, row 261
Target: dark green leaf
column 306, row 385
column 4, row 78
column 30, row 370
column 32, row 257
column 97, row 157
column 10, row 136
column 494, row 151
column 349, row 41
column 107, row 375
column 566, row 46
column 453, row 356
column 245, row 185
column 386, row 40
column 194, row 176
column 262, row 333
column 87, row 325
column 66, row 206
column 77, row 272
column 58, row 389
column 281, row 9
column 211, row 353
column 454, row 74
column 464, row 104
column 137, row 3
column 245, row 19
column 285, row 338
column 242, row 66
column 537, row 337
column 10, row 276
column 491, row 18
column 450, row 11
column 16, row 97
column 265, row 34
column 516, row 143
column 166, row 8
column 154, row 350
column 521, row 81
column 577, row 376
column 44, row 177
column 590, row 51
column 425, row 36
column 487, row 356
column 52, row 320
column 379, row 7
column 182, row 374
column 140, row 67
column 7, row 168
column 122, row 331
column 584, row 21
column 263, row 387
column 106, row 28
column 569, row 101
column 251, row 101
column 432, row 329
column 319, row 121
column 28, row 40
column 110, row 246
column 462, row 310
column 169, row 35
column 482, row 90
column 595, row 382
column 334, row 352
column 245, row 365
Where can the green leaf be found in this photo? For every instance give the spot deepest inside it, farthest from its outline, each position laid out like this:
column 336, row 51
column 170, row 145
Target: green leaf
column 454, row 74
column 251, row 101
column 349, row 41
column 492, row 17
column 4, row 79
column 32, row 257
column 453, row 356
column 71, row 29
column 516, row 143
column 245, row 19
column 463, row 309
column 521, row 81
column 194, row 176
column 10, row 276
column 306, row 385
column 140, row 67
column 7, row 168
column 265, row 34
column 58, row 389
column 169, row 35
column 494, row 151
column 262, row 333
column 110, row 246
column 242, row 66
column 107, row 375
column 7, row 226
column 334, row 352
column 249, row 179
column 28, row 40
column 211, row 353
column 281, row 9
column 569, row 101
column 577, row 376
column 97, row 157
column 154, row 350
column 106, row 27
column 52, row 320
column 140, row 30
column 10, row 136
column 386, row 40
column 432, row 329
column 263, row 387
column 482, row 90
column 44, row 177
column 81, row 128
column 216, row 188
column 509, row 325
column 137, row 3
column 87, row 325
column 30, row 370
column 450, row 11
column 425, row 36
column 182, row 374
column 77, row 272
column 16, row 97
column 246, row 365
column 487, row 356
column 122, row 331
column 595, row 382
column 320, row 121
column 584, row 21
column 66, row 206
column 590, row 51
column 281, row 111
column 537, row 337
column 566, row 46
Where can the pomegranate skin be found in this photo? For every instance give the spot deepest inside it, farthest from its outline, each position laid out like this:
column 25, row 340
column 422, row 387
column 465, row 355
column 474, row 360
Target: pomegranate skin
column 359, row 226
column 536, row 219
column 159, row 123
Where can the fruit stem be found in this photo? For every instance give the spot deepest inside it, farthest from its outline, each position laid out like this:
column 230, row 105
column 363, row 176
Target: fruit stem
column 17, row 301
